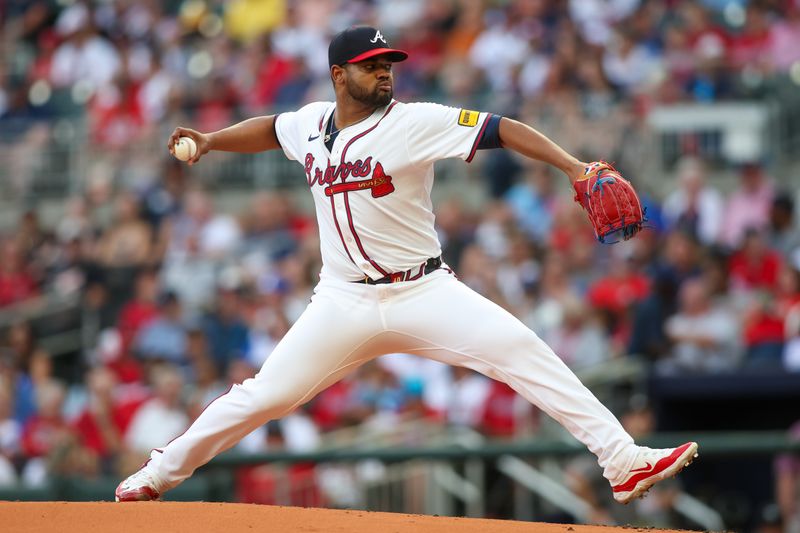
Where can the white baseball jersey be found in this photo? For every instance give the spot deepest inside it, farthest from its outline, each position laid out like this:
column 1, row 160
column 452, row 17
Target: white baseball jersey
column 372, row 190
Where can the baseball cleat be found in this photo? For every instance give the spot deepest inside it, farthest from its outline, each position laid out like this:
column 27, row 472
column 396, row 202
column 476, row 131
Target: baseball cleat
column 142, row 486
column 652, row 466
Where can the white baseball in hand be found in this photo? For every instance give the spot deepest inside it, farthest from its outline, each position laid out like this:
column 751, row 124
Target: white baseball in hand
column 185, row 148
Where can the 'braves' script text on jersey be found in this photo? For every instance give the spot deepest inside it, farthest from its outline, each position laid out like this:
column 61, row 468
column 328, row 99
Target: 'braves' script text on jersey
column 372, row 190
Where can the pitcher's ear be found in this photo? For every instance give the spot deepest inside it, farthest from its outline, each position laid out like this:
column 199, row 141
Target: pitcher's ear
column 337, row 73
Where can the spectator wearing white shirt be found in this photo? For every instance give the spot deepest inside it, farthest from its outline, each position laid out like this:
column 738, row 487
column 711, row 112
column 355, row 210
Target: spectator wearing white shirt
column 10, row 432
column 499, row 51
column 628, row 64
column 163, row 417
column 84, row 55
column 694, row 207
column 703, row 335
column 595, row 18
column 467, row 398
column 196, row 241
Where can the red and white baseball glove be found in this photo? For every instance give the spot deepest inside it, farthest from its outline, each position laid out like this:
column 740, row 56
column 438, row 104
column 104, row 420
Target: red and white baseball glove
column 611, row 202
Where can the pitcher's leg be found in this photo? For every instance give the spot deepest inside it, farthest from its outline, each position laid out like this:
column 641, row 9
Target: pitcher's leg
column 335, row 334
column 460, row 327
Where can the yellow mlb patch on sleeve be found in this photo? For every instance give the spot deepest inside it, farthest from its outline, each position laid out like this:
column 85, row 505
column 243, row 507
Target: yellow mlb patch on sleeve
column 468, row 118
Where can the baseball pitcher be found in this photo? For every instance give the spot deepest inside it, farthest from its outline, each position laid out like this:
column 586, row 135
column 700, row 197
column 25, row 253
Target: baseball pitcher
column 383, row 288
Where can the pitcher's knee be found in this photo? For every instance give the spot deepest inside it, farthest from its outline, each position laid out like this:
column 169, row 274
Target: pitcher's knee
column 520, row 343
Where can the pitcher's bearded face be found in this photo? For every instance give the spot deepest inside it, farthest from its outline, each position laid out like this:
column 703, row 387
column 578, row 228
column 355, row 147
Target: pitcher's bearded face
column 370, row 82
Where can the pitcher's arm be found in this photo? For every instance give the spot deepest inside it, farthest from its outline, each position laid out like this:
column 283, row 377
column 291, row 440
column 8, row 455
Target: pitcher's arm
column 249, row 136
column 527, row 141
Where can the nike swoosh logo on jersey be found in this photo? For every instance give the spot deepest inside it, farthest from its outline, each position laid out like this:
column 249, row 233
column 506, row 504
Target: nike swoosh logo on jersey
column 312, row 137
column 643, row 469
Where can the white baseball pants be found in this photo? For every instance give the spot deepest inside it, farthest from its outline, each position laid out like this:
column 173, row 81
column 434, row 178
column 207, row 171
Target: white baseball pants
column 438, row 317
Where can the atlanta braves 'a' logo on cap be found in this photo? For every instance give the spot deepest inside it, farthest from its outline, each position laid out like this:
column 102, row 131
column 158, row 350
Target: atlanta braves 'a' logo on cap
column 378, row 37
column 359, row 43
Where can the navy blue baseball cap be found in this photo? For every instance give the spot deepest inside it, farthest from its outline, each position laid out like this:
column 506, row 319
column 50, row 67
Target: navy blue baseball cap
column 359, row 43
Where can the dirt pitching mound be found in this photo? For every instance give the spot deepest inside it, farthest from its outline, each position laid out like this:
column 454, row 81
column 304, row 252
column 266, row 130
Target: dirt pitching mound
column 175, row 517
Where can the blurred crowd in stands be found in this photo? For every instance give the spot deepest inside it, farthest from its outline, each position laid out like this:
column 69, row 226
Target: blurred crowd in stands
column 126, row 65
column 175, row 299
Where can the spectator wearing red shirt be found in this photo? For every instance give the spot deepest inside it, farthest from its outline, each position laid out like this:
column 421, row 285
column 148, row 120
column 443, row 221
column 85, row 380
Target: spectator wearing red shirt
column 16, row 281
column 126, row 368
column 749, row 46
column 47, row 43
column 755, row 266
column 141, row 310
column 506, row 414
column 102, row 422
column 764, row 334
column 215, row 105
column 117, row 116
column 271, row 68
column 45, row 432
column 616, row 293
column 330, row 409
column 708, row 40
